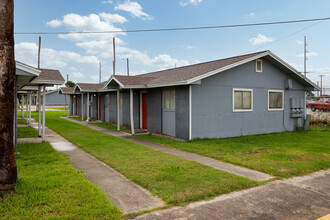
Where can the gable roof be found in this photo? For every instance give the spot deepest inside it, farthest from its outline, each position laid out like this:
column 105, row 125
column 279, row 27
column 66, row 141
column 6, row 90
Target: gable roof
column 66, row 90
column 89, row 87
column 49, row 76
column 189, row 74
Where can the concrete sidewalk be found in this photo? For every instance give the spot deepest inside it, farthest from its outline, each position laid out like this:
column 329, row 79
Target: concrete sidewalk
column 241, row 171
column 305, row 197
column 127, row 195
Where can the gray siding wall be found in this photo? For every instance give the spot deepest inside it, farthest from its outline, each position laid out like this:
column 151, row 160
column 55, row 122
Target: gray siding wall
column 182, row 112
column 102, row 107
column 94, row 102
column 136, row 108
column 125, row 106
column 154, row 103
column 54, row 99
column 212, row 103
column 113, row 107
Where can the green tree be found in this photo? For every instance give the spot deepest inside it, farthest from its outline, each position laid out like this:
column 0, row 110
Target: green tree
column 70, row 84
column 8, row 170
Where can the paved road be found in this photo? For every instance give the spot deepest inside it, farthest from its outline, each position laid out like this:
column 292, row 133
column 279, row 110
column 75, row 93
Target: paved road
column 298, row 198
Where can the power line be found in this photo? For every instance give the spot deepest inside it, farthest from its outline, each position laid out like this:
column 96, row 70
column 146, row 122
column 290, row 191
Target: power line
column 175, row 29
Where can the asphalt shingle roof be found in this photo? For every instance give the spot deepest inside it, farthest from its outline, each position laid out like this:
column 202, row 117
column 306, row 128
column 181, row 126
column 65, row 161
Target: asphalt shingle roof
column 181, row 73
column 91, row 86
column 50, row 74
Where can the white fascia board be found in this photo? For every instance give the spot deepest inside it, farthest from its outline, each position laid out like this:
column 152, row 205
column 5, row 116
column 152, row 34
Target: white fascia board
column 28, row 68
column 293, row 70
column 107, row 90
column 116, row 80
column 47, row 82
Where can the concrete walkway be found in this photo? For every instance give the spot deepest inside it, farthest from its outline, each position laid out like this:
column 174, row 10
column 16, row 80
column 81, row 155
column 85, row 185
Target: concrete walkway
column 241, row 171
column 127, row 195
column 29, row 140
column 297, row 198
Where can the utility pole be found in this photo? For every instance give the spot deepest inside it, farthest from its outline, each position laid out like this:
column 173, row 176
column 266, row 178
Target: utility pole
column 318, row 93
column 67, row 77
column 39, row 52
column 114, row 56
column 321, row 76
column 305, row 55
column 100, row 71
column 127, row 62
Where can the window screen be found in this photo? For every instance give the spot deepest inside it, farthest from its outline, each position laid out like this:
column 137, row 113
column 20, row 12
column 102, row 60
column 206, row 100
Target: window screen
column 275, row 99
column 169, row 99
column 242, row 100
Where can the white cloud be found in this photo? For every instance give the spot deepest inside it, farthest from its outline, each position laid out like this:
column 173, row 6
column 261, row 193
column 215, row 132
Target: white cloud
column 54, row 23
column 252, row 15
column 91, row 23
column 78, row 75
column 51, row 58
column 188, row 47
column 300, row 42
column 162, row 61
column 134, row 9
column 107, row 2
column 309, row 54
column 190, row 2
column 113, row 18
column 260, row 39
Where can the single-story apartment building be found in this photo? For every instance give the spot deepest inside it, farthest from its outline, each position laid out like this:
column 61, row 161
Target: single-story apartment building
column 255, row 93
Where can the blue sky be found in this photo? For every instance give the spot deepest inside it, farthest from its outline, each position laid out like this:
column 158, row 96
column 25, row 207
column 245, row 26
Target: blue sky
column 79, row 55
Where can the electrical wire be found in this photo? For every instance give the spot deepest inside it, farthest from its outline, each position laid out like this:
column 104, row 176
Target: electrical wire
column 174, row 29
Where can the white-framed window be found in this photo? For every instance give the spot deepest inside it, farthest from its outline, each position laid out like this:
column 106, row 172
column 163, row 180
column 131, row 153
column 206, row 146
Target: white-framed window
column 169, row 99
column 275, row 100
column 259, row 66
column 242, row 100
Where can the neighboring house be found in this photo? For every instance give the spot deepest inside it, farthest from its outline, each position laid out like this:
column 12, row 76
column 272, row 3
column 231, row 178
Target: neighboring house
column 53, row 97
column 250, row 94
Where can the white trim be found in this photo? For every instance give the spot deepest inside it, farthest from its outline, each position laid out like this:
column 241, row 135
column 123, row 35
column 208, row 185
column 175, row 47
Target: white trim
column 258, row 60
column 27, row 68
column 47, row 82
column 118, row 109
column 276, row 109
column 190, row 111
column 233, row 99
column 112, row 78
column 131, row 111
column 141, row 107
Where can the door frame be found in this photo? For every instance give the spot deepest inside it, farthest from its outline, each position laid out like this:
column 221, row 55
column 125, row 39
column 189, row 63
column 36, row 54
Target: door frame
column 141, row 92
column 99, row 103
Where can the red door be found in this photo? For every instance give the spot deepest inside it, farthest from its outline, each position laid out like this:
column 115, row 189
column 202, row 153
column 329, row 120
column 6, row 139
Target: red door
column 144, row 111
column 99, row 107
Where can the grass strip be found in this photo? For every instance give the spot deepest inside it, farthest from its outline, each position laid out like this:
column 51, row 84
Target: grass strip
column 109, row 126
column 284, row 154
column 175, row 180
column 49, row 187
column 26, row 132
column 21, row 121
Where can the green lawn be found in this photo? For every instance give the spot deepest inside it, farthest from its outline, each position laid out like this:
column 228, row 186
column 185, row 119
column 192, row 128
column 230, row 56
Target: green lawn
column 21, row 121
column 283, row 154
column 61, row 108
column 109, row 126
column 102, row 124
column 173, row 179
column 49, row 187
column 26, row 132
